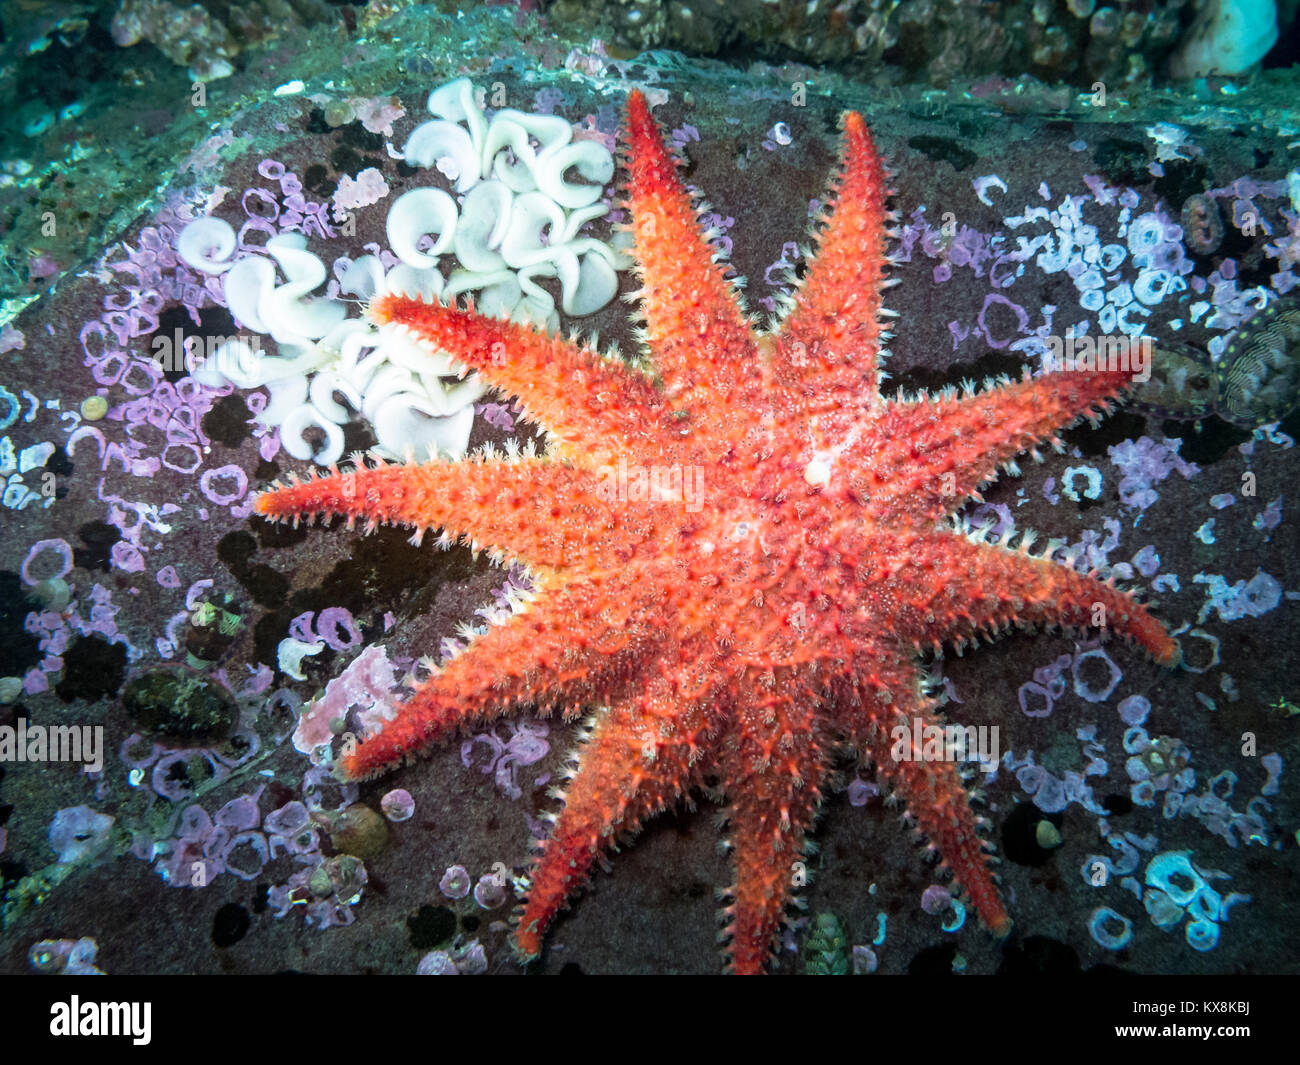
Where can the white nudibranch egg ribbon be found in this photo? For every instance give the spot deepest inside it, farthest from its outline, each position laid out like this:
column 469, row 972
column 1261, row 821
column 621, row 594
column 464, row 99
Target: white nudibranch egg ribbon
column 517, row 222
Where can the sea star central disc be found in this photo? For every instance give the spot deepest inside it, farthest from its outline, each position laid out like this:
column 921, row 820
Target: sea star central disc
column 739, row 551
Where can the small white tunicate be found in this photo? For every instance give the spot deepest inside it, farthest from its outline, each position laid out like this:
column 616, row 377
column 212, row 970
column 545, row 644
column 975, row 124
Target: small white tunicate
column 1089, row 473
column 290, row 653
column 1109, row 929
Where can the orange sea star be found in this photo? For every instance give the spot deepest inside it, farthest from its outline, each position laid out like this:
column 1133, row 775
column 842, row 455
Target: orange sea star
column 739, row 553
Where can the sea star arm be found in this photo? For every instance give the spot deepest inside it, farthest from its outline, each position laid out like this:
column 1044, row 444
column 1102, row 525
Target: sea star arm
column 640, row 756
column 571, row 648
column 774, row 772
column 934, row 454
column 702, row 343
column 880, row 716
column 590, row 403
column 827, row 347
column 538, row 511
column 936, row 798
column 954, row 589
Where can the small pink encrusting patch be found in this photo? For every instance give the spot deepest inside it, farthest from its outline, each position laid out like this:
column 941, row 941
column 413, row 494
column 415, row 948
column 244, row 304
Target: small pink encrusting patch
column 525, row 745
column 397, row 805
column 377, row 113
column 35, row 682
column 42, row 266
column 490, row 891
column 496, row 414
column 335, row 627
column 369, row 187
column 79, row 832
column 455, row 883
column 11, row 338
column 54, row 631
column 587, row 130
column 365, row 686
column 862, row 791
column 269, row 445
column 194, row 591
column 300, row 627
column 224, row 486
column 126, row 557
column 936, row 899
column 60, row 547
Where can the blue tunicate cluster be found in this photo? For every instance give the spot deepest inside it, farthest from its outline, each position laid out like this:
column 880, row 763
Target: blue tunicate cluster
column 1099, row 870
column 1090, row 692
column 1101, row 927
column 1213, row 810
column 1051, row 793
column 1175, row 888
column 1253, row 598
column 1155, row 766
column 12, row 408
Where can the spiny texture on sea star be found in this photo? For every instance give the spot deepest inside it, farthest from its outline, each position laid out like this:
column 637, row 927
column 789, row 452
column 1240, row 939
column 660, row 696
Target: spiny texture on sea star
column 739, row 552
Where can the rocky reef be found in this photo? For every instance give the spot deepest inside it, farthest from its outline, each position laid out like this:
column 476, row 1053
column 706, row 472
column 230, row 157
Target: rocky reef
column 209, row 664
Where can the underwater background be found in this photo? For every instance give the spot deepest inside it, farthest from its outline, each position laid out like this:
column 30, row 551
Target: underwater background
column 1060, row 168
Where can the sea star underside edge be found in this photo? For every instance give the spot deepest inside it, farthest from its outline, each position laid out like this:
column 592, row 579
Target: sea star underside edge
column 740, row 548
